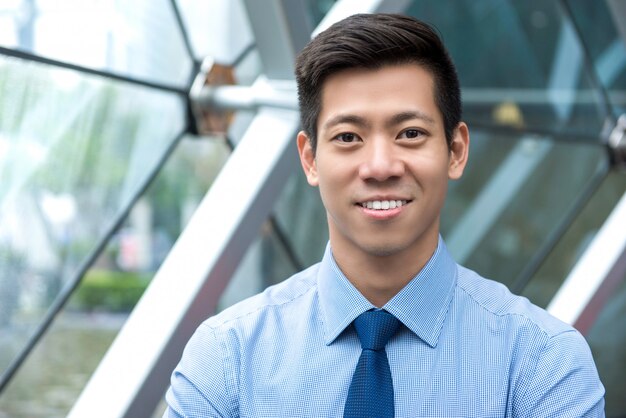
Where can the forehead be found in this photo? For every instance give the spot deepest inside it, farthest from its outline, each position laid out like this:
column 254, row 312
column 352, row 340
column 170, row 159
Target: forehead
column 376, row 93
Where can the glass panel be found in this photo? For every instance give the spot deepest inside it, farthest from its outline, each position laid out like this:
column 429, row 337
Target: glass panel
column 607, row 48
column 248, row 68
column 574, row 242
column 302, row 217
column 607, row 339
column 57, row 370
column 218, row 28
column 51, row 379
column 75, row 151
column 265, row 263
column 525, row 71
column 8, row 23
column 139, row 38
column 319, row 8
column 511, row 198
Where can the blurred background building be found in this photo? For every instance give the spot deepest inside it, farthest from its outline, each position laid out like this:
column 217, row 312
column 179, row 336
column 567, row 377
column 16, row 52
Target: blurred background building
column 148, row 177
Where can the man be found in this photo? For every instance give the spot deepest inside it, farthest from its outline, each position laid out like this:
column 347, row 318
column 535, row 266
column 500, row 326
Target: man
column 387, row 324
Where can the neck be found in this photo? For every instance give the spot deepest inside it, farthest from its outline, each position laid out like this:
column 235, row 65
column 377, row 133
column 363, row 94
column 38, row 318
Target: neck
column 380, row 277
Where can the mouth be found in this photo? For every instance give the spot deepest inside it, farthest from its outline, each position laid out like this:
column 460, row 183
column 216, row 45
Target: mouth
column 383, row 204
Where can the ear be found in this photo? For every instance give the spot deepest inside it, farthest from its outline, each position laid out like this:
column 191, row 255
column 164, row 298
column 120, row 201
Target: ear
column 307, row 158
column 459, row 152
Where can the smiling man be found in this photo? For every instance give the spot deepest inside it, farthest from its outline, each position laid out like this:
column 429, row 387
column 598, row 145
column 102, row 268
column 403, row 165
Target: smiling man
column 387, row 324
column 382, row 163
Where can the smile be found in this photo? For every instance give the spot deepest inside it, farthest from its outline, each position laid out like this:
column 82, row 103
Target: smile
column 383, row 204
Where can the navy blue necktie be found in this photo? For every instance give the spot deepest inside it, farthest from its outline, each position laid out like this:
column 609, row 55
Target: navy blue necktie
column 371, row 390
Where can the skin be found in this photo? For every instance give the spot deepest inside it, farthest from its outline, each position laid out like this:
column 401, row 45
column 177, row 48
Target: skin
column 381, row 137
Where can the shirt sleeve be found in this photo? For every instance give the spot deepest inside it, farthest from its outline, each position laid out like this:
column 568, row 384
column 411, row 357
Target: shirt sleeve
column 565, row 382
column 200, row 385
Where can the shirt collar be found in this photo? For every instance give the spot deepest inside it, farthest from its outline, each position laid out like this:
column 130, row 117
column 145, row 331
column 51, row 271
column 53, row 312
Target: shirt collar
column 421, row 305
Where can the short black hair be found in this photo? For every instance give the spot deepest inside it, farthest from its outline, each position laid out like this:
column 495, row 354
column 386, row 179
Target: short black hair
column 372, row 41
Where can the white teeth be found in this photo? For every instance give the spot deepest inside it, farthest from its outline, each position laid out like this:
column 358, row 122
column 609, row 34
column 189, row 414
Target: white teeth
column 383, row 204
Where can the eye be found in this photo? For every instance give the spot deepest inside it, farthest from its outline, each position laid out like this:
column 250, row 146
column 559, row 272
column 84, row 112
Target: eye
column 347, row 137
column 411, row 133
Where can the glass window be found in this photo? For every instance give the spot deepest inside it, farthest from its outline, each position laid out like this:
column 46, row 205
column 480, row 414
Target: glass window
column 607, row 339
column 139, row 38
column 302, row 217
column 607, row 48
column 514, row 194
column 520, row 64
column 76, row 150
column 53, row 376
column 219, row 28
column 266, row 263
column 319, row 8
column 574, row 242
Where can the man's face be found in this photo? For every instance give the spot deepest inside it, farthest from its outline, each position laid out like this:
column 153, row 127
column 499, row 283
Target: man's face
column 382, row 163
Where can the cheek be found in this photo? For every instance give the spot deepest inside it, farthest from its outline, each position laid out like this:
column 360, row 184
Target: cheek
column 431, row 169
column 333, row 186
column 330, row 174
column 329, row 191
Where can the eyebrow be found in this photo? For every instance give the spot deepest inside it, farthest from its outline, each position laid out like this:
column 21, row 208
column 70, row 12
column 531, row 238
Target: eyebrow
column 346, row 118
column 409, row 115
column 396, row 119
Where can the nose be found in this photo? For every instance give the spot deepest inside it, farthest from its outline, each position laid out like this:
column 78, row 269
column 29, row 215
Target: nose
column 381, row 161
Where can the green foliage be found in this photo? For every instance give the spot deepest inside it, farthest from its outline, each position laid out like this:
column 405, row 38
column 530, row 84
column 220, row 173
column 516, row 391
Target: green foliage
column 106, row 290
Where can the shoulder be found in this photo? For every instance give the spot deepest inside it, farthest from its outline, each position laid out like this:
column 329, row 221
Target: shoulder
column 555, row 365
column 494, row 299
column 220, row 341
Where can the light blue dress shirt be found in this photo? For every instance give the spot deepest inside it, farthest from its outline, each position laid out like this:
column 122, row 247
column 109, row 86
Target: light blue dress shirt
column 468, row 348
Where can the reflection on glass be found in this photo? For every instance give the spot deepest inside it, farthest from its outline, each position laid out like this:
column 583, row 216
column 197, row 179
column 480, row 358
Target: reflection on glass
column 574, row 242
column 74, row 153
column 520, row 64
column 248, row 68
column 607, row 339
column 300, row 214
column 138, row 38
column 55, row 373
column 607, row 48
column 519, row 203
column 265, row 263
column 218, row 28
column 57, row 370
column 319, row 8
column 221, row 29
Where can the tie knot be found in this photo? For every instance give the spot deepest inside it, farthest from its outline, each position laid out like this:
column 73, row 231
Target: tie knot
column 374, row 329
